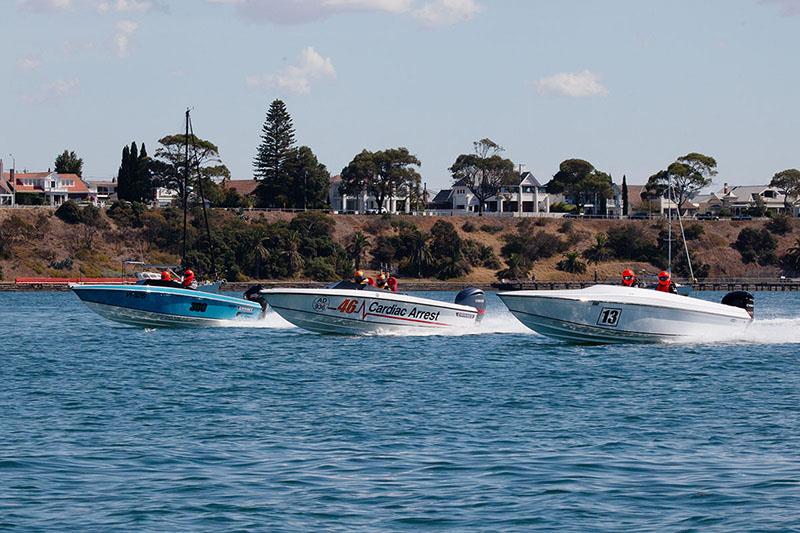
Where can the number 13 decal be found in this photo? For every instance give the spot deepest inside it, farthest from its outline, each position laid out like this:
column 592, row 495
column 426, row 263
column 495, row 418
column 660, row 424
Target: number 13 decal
column 609, row 317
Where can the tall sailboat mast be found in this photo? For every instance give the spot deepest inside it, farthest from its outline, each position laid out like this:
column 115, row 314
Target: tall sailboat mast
column 185, row 198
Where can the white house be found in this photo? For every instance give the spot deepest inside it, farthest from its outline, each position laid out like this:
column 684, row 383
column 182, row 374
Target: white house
column 105, row 190
column 740, row 199
column 364, row 202
column 525, row 198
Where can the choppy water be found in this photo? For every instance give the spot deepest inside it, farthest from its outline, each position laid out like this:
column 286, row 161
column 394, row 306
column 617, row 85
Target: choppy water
column 270, row 428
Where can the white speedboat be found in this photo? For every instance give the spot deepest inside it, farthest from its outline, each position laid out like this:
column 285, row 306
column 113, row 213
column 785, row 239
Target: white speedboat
column 351, row 309
column 610, row 314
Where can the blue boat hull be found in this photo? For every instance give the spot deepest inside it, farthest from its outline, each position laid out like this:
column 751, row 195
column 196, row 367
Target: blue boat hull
column 152, row 306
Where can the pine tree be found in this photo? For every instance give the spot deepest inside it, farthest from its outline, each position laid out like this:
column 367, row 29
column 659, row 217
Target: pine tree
column 625, row 204
column 144, row 180
column 269, row 165
column 134, row 179
column 123, row 175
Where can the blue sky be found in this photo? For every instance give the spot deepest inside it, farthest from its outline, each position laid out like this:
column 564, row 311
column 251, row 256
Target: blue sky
column 626, row 84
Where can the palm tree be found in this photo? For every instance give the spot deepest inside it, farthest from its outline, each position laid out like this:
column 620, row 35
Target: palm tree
column 599, row 250
column 292, row 253
column 262, row 256
column 357, row 247
column 421, row 255
column 572, row 264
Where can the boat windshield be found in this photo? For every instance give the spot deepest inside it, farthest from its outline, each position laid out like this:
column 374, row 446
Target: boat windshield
column 347, row 284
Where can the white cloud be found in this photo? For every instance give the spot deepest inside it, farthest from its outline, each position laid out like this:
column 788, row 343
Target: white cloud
column 43, row 6
column 128, row 6
column 53, row 91
column 788, row 7
column 29, row 63
column 447, row 12
column 573, row 84
column 429, row 12
column 122, row 40
column 296, row 78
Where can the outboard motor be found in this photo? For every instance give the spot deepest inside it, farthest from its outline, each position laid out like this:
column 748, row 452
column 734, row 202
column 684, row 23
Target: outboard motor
column 741, row 299
column 254, row 295
column 473, row 297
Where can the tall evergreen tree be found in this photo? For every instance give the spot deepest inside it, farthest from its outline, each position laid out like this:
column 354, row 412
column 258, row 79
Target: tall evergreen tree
column 68, row 162
column 625, row 204
column 144, row 179
column 134, row 178
column 123, row 175
column 269, row 165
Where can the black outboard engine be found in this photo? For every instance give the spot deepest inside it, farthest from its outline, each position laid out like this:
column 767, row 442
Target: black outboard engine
column 741, row 299
column 473, row 297
column 254, row 295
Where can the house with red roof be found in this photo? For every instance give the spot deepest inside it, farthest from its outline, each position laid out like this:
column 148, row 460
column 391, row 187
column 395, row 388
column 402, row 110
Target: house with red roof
column 53, row 188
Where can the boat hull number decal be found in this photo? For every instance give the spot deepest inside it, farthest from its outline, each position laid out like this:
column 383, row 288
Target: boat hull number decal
column 199, row 307
column 609, row 317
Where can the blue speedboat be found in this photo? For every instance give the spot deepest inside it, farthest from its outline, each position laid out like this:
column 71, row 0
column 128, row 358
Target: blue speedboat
column 158, row 306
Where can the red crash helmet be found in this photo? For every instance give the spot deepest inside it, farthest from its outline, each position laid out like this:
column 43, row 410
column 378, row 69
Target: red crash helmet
column 628, row 277
column 663, row 277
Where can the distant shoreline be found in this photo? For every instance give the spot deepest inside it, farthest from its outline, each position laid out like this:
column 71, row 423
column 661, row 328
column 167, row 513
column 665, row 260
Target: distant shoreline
column 768, row 285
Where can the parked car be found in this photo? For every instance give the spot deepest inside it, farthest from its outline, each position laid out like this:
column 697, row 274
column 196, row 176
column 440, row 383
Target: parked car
column 573, row 215
column 639, row 216
column 741, row 217
column 706, row 216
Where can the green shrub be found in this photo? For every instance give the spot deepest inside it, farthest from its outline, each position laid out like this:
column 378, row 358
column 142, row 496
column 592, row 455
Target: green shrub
column 321, row 269
column 69, row 212
column 489, row 228
column 65, row 264
column 468, row 227
column 127, row 214
column 756, row 246
column 780, row 224
column 693, row 231
column 566, row 226
column 561, row 207
column 630, row 242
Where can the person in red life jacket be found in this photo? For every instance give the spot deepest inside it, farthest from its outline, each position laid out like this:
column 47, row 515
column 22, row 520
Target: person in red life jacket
column 391, row 283
column 665, row 284
column 189, row 282
column 380, row 282
column 360, row 279
column 165, row 276
column 629, row 279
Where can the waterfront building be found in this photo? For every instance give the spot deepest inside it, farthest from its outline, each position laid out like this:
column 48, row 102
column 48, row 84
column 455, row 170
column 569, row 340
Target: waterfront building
column 105, row 191
column 364, row 202
column 526, row 197
column 48, row 188
column 742, row 199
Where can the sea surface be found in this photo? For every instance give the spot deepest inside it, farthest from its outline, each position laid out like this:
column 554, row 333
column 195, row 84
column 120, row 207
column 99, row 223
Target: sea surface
column 108, row 427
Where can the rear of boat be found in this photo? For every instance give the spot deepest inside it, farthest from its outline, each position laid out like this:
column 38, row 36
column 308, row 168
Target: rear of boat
column 158, row 307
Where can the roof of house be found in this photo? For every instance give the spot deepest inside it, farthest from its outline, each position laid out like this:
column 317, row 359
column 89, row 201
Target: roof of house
column 243, row 187
column 78, row 185
column 744, row 193
column 442, row 197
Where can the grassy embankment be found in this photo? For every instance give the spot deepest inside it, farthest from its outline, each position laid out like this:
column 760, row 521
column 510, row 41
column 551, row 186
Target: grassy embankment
column 49, row 247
